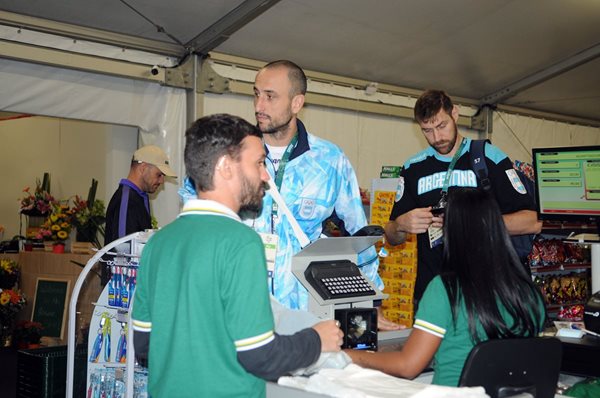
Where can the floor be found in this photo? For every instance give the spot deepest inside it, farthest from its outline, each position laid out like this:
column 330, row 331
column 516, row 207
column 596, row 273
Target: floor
column 8, row 372
column 39, row 373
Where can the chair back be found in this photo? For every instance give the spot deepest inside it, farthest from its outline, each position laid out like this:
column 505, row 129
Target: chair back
column 508, row 367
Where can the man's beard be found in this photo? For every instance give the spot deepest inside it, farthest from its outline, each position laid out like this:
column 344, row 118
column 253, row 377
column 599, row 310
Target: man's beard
column 273, row 129
column 450, row 144
column 251, row 198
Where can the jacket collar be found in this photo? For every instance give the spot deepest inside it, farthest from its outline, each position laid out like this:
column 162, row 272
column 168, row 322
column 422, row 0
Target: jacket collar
column 302, row 145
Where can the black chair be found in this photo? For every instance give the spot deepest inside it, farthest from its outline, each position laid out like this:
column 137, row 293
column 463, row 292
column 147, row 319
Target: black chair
column 508, row 367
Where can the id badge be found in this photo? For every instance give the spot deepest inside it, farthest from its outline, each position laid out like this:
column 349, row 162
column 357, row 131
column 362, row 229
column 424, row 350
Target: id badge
column 436, row 236
column 270, row 242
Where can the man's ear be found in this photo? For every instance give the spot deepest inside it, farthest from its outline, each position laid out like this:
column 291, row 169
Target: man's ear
column 297, row 103
column 223, row 167
column 141, row 168
column 455, row 113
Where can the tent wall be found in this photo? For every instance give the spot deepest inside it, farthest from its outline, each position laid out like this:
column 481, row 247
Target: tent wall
column 159, row 112
column 73, row 152
column 516, row 135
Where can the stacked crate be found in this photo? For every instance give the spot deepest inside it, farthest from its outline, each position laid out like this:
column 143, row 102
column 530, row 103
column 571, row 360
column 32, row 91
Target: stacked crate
column 381, row 208
column 399, row 268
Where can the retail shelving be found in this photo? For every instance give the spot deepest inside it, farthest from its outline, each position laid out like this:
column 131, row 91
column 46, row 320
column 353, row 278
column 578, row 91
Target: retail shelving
column 123, row 253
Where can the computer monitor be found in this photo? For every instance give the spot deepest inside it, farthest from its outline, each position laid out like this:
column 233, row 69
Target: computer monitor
column 567, row 182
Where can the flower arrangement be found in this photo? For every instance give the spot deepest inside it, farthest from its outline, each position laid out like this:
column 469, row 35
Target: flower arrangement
column 8, row 267
column 28, row 332
column 58, row 224
column 38, row 203
column 11, row 302
column 9, row 273
column 88, row 216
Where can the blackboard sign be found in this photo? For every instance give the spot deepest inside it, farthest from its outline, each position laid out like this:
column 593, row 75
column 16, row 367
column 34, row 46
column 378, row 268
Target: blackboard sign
column 50, row 304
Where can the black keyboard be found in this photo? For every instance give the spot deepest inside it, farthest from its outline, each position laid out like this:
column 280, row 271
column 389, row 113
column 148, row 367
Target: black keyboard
column 337, row 279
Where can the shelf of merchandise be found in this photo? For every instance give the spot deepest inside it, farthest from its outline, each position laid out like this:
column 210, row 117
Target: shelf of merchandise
column 554, row 307
column 560, row 230
column 560, row 267
column 124, row 252
column 565, row 228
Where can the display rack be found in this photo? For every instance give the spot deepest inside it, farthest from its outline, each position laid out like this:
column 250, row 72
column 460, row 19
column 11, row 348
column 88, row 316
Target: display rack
column 564, row 232
column 123, row 253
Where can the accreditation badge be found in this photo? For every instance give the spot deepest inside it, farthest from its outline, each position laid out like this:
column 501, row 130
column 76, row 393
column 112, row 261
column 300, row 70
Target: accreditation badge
column 270, row 243
column 436, row 236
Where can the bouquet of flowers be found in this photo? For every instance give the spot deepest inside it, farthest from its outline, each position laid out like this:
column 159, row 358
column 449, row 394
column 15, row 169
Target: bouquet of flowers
column 88, row 216
column 57, row 226
column 39, row 202
column 28, row 332
column 9, row 273
column 11, row 302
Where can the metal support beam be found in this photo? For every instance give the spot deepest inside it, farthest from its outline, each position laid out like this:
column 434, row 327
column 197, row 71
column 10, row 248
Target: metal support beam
column 88, row 63
column 245, row 88
column 543, row 75
column 180, row 77
column 210, row 81
column 183, row 75
column 226, row 59
column 483, row 120
column 220, row 31
column 548, row 115
column 91, row 34
column 194, row 98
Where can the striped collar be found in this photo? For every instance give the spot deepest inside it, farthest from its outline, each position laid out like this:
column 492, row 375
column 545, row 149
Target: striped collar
column 207, row 207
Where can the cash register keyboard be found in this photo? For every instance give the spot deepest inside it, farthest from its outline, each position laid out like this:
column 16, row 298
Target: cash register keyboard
column 337, row 279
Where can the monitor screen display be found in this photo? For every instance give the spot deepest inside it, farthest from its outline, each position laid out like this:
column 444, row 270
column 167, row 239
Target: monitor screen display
column 567, row 183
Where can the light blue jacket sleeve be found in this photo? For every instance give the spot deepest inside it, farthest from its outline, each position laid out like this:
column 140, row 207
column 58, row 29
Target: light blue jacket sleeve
column 349, row 208
column 187, row 191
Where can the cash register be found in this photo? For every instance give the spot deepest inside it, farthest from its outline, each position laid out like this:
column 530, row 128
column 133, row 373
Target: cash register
column 337, row 289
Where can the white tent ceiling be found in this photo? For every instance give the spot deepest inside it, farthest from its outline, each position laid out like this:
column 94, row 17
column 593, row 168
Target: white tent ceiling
column 536, row 54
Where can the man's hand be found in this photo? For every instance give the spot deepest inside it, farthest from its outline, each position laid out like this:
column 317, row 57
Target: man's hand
column 385, row 324
column 331, row 335
column 415, row 221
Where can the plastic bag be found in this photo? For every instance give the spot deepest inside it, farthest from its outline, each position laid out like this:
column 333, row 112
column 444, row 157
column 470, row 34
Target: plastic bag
column 291, row 321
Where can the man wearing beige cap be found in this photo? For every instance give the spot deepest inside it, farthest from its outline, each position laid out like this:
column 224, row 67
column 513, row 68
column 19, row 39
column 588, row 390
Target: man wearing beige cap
column 129, row 207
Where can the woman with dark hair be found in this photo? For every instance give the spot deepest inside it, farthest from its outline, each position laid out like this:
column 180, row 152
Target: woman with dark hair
column 482, row 293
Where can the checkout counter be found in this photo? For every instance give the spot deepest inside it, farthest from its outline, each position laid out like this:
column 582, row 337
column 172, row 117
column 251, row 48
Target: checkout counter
column 338, row 290
column 581, row 357
column 387, row 341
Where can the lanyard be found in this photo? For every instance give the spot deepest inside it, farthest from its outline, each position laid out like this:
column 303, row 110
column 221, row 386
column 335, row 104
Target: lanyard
column 451, row 169
column 279, row 176
column 283, row 162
